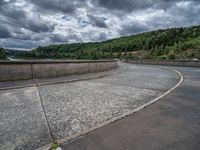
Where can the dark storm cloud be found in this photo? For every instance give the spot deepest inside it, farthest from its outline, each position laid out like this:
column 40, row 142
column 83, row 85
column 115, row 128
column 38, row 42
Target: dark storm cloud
column 27, row 36
column 133, row 28
column 13, row 43
column 17, row 19
column 125, row 5
column 3, row 2
column 176, row 13
column 12, row 12
column 132, row 5
column 38, row 22
column 4, row 32
column 65, row 6
column 102, row 37
column 38, row 27
column 98, row 21
column 58, row 38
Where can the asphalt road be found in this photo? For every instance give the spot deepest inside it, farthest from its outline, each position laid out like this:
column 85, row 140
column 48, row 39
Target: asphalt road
column 34, row 116
column 173, row 123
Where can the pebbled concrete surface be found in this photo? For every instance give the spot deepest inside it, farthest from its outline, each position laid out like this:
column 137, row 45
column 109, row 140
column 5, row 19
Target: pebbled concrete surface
column 173, row 123
column 22, row 121
column 74, row 107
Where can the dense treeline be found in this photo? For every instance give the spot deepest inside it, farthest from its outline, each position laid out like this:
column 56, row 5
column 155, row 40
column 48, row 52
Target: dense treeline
column 2, row 54
column 174, row 43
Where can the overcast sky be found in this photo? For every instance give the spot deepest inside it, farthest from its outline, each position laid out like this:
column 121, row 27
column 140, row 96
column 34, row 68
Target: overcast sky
column 30, row 23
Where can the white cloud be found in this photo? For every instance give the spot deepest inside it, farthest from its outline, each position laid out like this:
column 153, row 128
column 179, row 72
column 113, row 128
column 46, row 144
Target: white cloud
column 33, row 22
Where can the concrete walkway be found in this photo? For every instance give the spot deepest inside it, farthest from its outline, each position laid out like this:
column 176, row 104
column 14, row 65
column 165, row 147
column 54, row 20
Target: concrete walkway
column 34, row 116
column 173, row 123
column 48, row 81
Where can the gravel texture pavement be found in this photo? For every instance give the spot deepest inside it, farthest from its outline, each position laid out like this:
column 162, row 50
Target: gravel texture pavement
column 32, row 117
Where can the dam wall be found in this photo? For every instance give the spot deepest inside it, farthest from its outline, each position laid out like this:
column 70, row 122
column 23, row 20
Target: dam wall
column 33, row 69
column 179, row 63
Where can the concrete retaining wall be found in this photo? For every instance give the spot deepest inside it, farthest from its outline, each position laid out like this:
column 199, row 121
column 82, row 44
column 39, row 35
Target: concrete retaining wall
column 21, row 70
column 181, row 63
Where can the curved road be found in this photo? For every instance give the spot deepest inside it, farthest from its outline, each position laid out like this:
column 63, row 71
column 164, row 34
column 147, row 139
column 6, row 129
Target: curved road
column 173, row 123
column 34, row 116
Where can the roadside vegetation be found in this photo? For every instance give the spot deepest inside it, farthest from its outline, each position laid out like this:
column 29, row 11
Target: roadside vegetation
column 174, row 43
column 55, row 146
column 2, row 54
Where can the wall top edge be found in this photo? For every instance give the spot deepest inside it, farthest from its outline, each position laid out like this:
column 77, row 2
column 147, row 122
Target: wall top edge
column 52, row 61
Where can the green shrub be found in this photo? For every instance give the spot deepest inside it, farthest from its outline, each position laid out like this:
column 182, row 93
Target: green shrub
column 2, row 54
column 54, row 146
column 164, row 57
column 171, row 56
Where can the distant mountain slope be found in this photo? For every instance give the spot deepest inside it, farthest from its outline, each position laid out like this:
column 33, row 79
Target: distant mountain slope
column 174, row 43
column 12, row 53
column 2, row 54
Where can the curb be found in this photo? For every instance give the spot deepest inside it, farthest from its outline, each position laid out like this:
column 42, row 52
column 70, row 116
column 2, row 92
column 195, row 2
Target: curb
column 80, row 135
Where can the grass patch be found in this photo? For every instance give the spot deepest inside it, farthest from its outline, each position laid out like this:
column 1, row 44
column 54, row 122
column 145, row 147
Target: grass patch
column 54, row 146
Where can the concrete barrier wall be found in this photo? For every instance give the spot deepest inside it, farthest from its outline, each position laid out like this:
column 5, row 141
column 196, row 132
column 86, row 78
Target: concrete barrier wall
column 181, row 63
column 22, row 70
column 15, row 72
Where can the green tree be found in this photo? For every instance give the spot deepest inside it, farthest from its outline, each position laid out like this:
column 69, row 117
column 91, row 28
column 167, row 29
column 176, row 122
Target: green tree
column 2, row 54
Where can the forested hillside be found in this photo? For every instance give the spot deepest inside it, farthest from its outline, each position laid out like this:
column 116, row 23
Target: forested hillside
column 174, row 43
column 2, row 54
